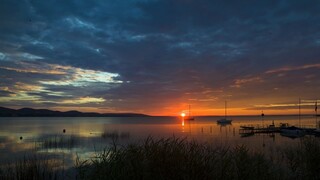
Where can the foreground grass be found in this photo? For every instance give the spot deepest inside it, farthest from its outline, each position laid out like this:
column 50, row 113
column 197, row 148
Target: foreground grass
column 175, row 158
column 33, row 167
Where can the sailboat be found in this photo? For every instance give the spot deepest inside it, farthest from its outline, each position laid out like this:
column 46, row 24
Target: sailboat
column 317, row 131
column 293, row 131
column 224, row 120
column 189, row 117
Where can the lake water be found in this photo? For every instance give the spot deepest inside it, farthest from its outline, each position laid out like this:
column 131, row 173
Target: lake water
column 86, row 136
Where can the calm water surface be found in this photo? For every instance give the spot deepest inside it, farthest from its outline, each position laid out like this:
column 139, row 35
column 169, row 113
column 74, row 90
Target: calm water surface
column 86, row 136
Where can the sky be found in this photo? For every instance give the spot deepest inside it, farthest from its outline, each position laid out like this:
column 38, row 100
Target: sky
column 159, row 56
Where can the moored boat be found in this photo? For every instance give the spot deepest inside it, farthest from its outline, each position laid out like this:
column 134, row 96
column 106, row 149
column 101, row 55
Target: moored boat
column 292, row 131
column 224, row 120
column 189, row 117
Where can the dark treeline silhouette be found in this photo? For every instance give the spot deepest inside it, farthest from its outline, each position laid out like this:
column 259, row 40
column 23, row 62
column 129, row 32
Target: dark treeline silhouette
column 29, row 112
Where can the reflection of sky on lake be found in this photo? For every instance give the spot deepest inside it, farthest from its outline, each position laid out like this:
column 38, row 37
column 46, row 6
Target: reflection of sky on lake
column 83, row 135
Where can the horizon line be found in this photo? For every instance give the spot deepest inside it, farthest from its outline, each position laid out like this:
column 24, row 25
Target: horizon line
column 205, row 115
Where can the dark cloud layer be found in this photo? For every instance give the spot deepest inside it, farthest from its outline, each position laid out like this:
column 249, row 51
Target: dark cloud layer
column 158, row 54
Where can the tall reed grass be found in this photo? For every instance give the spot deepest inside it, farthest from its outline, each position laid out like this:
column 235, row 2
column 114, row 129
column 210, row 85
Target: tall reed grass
column 303, row 161
column 115, row 134
column 33, row 167
column 58, row 142
column 175, row 158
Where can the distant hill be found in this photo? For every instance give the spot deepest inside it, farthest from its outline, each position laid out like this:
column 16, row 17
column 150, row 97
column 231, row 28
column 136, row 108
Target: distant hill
column 29, row 112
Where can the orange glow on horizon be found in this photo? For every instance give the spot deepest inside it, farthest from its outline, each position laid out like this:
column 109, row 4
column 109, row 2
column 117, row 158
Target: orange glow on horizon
column 197, row 110
column 235, row 112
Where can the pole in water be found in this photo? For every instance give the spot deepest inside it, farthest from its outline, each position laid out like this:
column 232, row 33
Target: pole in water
column 225, row 110
column 262, row 115
column 299, row 113
column 316, row 109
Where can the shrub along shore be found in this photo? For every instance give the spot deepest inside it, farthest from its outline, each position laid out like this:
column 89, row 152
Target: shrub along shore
column 175, row 158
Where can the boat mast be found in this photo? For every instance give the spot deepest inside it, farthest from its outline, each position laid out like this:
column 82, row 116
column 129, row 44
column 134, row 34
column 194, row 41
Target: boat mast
column 262, row 120
column 299, row 112
column 316, row 109
column 225, row 109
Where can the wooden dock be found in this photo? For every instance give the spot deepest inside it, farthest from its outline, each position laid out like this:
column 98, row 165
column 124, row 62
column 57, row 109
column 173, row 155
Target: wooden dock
column 249, row 130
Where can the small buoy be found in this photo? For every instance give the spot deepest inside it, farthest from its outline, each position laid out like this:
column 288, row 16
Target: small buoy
column 64, row 130
column 21, row 137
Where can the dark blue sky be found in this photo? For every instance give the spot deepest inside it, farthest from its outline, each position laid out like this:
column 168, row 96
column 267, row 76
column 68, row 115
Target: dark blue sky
column 156, row 57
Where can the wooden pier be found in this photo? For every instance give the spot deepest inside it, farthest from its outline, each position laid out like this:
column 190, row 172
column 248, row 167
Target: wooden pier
column 249, row 130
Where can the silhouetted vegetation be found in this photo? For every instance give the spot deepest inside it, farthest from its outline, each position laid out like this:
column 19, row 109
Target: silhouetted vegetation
column 115, row 134
column 35, row 167
column 176, row 158
column 58, row 142
column 302, row 161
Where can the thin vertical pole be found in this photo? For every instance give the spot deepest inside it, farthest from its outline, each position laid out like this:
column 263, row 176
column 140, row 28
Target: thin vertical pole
column 316, row 109
column 225, row 109
column 299, row 112
column 262, row 115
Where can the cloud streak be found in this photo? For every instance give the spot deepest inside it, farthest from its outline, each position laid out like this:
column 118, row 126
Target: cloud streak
column 285, row 69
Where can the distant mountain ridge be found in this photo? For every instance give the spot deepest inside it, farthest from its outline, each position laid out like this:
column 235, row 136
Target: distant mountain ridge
column 29, row 112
